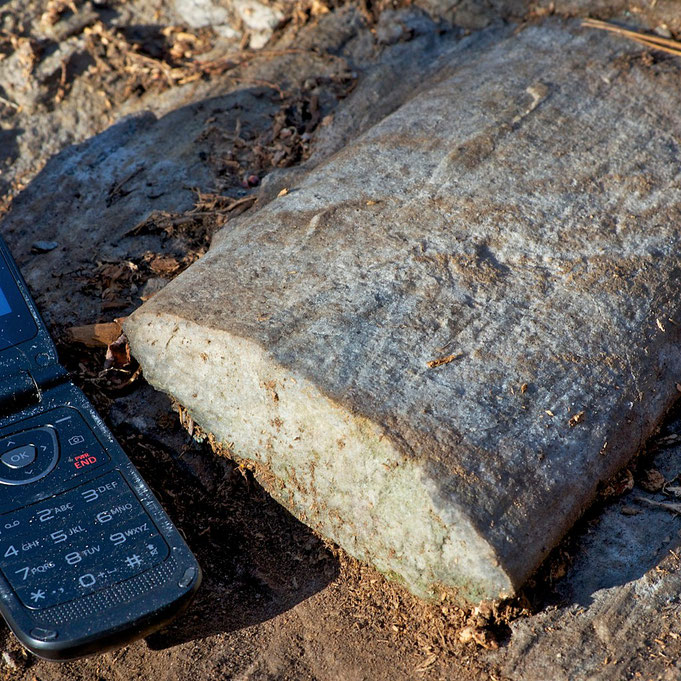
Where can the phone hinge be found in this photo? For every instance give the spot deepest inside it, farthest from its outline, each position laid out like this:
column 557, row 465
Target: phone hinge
column 24, row 388
column 17, row 391
column 49, row 376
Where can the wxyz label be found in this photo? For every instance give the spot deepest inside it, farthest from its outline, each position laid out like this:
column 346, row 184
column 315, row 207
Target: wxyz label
column 120, row 537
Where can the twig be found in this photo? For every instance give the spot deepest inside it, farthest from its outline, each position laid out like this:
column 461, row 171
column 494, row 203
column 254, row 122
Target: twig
column 675, row 490
column 9, row 102
column 652, row 41
column 674, row 508
column 244, row 55
column 246, row 200
column 166, row 221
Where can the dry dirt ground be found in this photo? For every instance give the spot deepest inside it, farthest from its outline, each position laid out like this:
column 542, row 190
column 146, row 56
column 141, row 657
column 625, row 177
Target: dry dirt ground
column 277, row 601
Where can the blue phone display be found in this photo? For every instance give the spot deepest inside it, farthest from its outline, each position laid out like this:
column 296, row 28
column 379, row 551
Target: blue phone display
column 4, row 305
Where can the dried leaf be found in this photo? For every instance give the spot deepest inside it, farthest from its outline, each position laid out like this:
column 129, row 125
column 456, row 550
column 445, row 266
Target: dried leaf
column 96, row 335
column 164, row 265
column 118, row 353
column 652, row 480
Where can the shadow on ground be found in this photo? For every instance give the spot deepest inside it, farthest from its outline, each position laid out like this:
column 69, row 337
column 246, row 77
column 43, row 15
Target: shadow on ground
column 257, row 560
column 9, row 150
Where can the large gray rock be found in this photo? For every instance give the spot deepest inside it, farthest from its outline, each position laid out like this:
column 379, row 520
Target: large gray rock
column 436, row 345
column 615, row 614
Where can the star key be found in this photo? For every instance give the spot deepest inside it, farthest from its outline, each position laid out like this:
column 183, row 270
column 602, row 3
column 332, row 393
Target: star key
column 37, row 595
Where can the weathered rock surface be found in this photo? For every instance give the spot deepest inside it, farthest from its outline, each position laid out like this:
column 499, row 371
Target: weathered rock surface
column 232, row 19
column 89, row 198
column 615, row 613
column 515, row 223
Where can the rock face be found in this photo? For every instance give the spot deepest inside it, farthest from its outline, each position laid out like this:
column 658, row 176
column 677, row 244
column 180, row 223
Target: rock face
column 435, row 346
column 231, row 19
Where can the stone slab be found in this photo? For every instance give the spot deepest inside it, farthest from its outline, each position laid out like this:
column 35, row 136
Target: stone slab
column 615, row 612
column 436, row 345
column 158, row 158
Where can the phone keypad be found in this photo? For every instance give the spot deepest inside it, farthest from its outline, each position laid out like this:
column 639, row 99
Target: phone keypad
column 77, row 542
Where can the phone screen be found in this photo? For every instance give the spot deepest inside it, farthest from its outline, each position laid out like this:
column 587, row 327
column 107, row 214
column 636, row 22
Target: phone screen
column 4, row 305
column 16, row 322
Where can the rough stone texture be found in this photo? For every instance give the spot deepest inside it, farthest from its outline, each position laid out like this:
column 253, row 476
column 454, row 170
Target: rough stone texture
column 517, row 215
column 616, row 611
column 89, row 197
column 233, row 18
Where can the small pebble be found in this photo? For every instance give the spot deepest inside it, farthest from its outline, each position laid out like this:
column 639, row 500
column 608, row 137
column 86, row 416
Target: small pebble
column 10, row 660
column 44, row 246
column 651, row 480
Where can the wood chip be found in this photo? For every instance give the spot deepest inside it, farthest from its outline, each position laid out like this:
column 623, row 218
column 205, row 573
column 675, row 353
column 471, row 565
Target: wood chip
column 443, row 360
column 96, row 335
column 630, row 510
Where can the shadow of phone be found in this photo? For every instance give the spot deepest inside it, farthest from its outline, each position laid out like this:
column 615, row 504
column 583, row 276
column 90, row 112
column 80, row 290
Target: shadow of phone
column 257, row 559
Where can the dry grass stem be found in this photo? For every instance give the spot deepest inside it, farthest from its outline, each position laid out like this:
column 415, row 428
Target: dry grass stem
column 667, row 506
column 652, row 41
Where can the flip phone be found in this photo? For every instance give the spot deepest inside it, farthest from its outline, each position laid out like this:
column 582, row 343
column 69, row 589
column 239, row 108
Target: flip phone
column 88, row 558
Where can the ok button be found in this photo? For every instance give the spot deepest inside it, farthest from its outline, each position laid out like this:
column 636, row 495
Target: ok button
column 19, row 457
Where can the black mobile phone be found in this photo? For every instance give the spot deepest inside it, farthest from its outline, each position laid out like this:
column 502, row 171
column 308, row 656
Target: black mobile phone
column 88, row 558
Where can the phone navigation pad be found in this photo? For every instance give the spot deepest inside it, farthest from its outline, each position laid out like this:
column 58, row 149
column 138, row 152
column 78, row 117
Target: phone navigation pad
column 28, row 456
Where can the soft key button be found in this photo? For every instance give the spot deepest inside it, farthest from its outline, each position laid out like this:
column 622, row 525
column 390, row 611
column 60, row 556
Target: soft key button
column 81, row 451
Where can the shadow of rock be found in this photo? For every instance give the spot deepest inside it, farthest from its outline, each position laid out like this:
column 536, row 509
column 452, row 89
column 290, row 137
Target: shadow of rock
column 257, row 560
column 623, row 541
